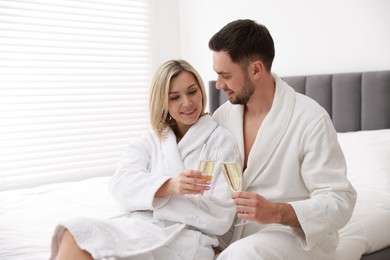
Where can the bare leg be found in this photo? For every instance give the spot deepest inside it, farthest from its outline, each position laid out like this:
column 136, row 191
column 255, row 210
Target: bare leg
column 69, row 249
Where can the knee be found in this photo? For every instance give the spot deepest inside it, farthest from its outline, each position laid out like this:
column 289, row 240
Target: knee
column 239, row 250
column 68, row 248
column 67, row 240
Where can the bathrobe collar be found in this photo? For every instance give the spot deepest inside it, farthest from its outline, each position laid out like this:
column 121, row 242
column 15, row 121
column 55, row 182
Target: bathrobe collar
column 195, row 137
column 270, row 132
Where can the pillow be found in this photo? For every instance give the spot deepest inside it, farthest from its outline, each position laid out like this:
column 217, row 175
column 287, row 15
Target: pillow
column 364, row 233
column 367, row 154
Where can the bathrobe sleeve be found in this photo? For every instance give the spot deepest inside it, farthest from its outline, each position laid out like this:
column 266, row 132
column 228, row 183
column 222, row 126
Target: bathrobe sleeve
column 133, row 184
column 323, row 170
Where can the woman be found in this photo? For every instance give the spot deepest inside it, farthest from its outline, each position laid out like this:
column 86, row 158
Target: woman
column 174, row 213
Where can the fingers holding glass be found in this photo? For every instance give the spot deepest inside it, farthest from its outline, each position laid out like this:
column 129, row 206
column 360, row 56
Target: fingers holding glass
column 191, row 182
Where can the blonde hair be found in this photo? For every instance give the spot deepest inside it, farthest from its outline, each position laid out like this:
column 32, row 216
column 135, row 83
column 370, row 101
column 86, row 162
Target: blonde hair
column 159, row 94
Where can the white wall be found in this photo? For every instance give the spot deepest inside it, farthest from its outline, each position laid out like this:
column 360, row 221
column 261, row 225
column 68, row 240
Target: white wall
column 166, row 31
column 311, row 37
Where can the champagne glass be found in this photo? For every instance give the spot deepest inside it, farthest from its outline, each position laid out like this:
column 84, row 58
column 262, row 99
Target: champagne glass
column 206, row 164
column 207, row 161
column 233, row 175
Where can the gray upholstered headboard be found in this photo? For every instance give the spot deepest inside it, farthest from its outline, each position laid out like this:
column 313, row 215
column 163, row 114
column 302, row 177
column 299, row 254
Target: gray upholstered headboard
column 355, row 101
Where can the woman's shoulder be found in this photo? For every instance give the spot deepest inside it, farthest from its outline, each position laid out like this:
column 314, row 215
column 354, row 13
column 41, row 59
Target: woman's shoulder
column 146, row 139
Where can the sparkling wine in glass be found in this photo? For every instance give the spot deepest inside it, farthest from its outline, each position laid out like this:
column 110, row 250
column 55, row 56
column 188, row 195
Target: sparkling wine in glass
column 233, row 175
column 207, row 167
column 207, row 160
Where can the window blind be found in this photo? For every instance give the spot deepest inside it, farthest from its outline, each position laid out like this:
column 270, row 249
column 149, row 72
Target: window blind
column 74, row 79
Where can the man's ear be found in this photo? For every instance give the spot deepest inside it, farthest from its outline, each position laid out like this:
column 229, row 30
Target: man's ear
column 258, row 69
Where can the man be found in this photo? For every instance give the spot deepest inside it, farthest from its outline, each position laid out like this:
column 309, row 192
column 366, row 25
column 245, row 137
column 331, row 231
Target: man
column 297, row 195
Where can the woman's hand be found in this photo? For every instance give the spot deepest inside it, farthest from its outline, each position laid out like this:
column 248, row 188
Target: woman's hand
column 187, row 182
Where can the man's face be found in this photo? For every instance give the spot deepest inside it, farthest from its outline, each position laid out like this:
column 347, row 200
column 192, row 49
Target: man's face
column 232, row 78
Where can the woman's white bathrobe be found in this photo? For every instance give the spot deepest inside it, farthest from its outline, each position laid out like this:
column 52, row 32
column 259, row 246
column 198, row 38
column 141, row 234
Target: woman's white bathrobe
column 295, row 159
column 161, row 228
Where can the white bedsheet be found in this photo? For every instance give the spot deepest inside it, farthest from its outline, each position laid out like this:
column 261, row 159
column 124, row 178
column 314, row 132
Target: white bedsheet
column 28, row 216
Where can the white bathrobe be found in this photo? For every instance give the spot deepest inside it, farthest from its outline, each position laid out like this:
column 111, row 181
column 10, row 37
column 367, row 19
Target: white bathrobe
column 176, row 227
column 295, row 159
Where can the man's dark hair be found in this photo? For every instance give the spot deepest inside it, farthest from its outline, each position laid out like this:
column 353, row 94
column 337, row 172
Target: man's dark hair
column 245, row 41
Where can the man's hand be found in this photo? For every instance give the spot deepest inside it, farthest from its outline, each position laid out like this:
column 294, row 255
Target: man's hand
column 254, row 207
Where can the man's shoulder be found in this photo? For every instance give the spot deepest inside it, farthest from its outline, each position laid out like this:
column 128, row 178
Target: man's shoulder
column 308, row 106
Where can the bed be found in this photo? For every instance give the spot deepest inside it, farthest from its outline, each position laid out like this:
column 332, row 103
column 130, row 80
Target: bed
column 359, row 105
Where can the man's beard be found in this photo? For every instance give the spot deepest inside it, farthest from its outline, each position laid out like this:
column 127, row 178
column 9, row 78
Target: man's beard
column 243, row 98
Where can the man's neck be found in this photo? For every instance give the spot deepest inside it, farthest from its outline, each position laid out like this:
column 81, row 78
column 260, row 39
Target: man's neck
column 263, row 96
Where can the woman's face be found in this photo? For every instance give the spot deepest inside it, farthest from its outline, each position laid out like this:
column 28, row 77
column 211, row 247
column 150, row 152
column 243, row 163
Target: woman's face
column 185, row 101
